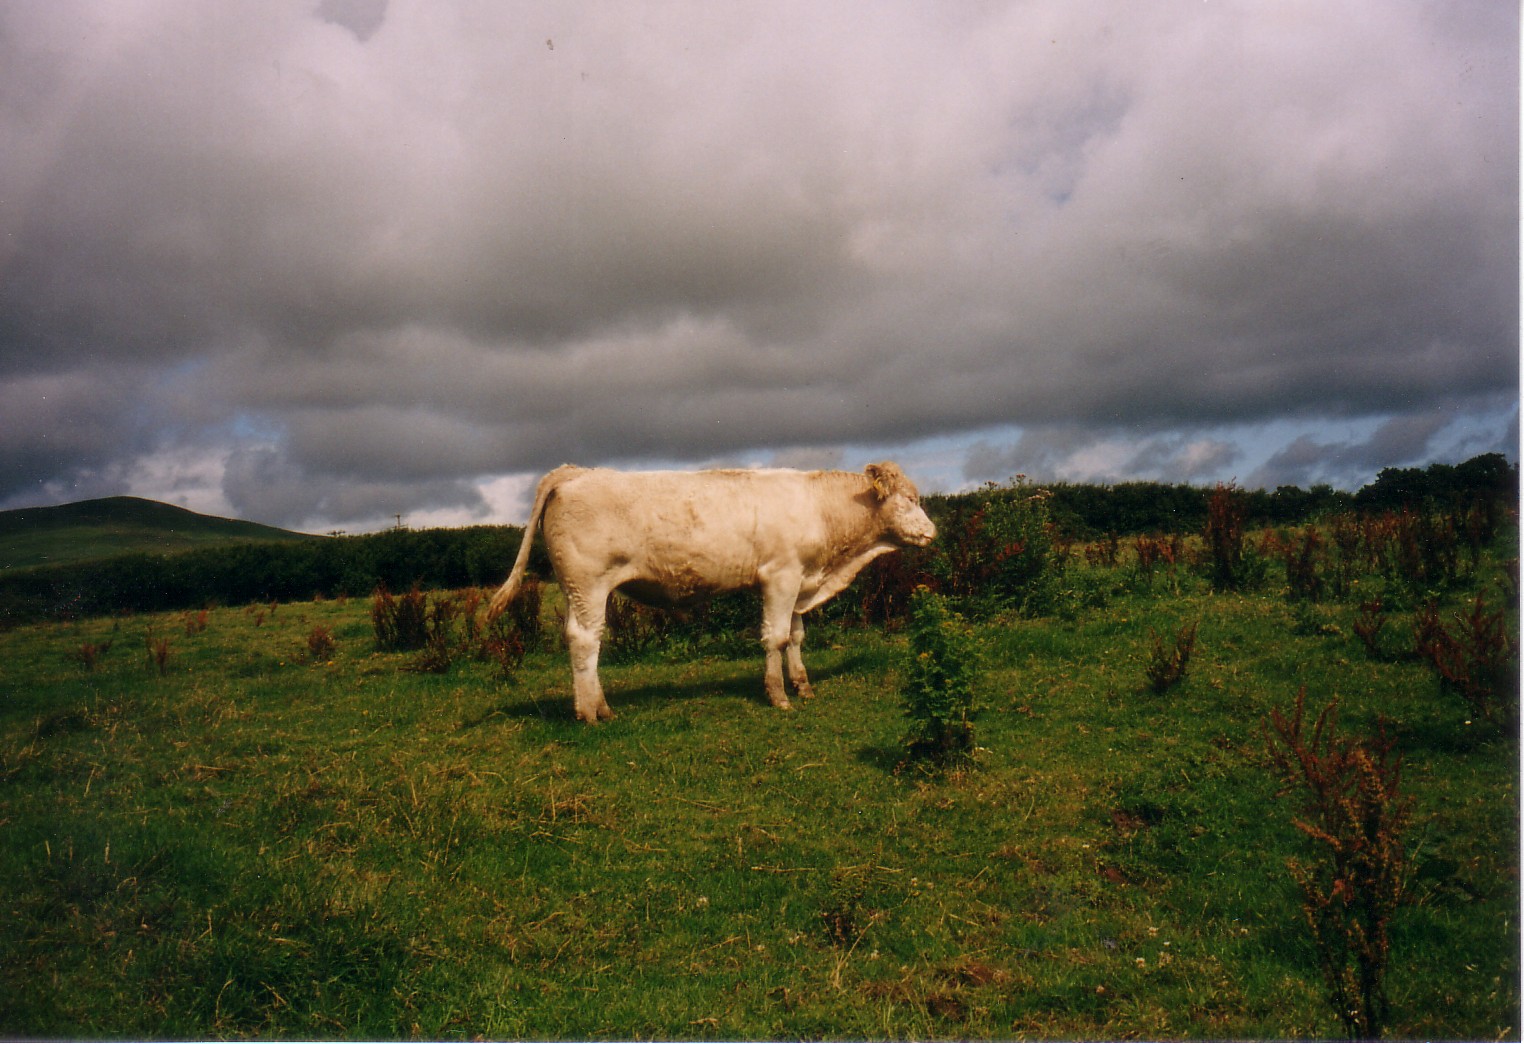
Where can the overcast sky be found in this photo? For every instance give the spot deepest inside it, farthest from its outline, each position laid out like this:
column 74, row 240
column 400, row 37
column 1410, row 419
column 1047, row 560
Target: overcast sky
column 321, row 262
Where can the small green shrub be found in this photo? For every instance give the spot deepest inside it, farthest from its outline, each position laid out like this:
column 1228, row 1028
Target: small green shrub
column 1025, row 566
column 1345, row 532
column 851, row 909
column 995, row 551
column 938, row 690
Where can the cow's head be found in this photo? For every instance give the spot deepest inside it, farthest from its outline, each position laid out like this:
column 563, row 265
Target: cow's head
column 900, row 505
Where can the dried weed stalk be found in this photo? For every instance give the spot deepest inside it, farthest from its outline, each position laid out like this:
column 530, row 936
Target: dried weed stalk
column 1167, row 664
column 1354, row 811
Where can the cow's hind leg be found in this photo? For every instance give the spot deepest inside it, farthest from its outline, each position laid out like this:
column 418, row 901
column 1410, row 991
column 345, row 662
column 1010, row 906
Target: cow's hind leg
column 796, row 672
column 584, row 635
column 777, row 626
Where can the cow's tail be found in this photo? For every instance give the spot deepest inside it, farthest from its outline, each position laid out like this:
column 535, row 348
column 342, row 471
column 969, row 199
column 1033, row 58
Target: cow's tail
column 510, row 589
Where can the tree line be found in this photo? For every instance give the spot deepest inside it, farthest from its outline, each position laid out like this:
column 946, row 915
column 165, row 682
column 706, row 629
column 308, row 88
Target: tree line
column 1089, row 512
column 477, row 556
column 244, row 574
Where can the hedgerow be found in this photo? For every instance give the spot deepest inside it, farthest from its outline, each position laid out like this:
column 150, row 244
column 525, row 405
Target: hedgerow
column 1000, row 548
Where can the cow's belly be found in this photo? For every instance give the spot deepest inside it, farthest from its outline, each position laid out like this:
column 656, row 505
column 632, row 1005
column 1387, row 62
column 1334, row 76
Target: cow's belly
column 660, row 596
column 687, row 582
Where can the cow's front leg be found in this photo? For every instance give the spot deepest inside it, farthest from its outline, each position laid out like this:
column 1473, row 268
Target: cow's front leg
column 584, row 635
column 796, row 672
column 777, row 627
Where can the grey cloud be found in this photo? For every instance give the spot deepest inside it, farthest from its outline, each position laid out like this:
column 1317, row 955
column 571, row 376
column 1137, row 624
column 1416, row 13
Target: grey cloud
column 415, row 245
column 361, row 17
column 1183, row 458
column 263, row 485
column 1306, row 461
column 809, row 458
column 72, row 422
column 1038, row 452
column 1080, row 454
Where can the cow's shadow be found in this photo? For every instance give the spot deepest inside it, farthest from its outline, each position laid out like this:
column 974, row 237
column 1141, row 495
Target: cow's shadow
column 741, row 683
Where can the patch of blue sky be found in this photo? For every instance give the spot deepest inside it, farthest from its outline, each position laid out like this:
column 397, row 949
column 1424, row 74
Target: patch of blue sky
column 254, row 429
column 1344, row 453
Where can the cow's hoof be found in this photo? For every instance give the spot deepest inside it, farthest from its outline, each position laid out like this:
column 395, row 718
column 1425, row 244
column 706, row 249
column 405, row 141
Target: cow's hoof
column 783, row 705
column 605, row 714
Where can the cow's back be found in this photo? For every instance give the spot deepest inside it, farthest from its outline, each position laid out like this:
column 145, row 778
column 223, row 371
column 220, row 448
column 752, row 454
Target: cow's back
column 672, row 536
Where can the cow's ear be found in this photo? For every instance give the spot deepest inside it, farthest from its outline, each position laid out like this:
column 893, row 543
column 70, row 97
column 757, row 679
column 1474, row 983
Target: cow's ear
column 882, row 477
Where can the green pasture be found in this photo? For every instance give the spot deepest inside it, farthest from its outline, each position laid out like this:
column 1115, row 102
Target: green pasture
column 254, row 843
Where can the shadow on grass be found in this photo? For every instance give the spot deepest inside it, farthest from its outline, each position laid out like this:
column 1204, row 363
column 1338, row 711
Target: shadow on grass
column 910, row 763
column 742, row 683
column 1452, row 734
column 887, row 758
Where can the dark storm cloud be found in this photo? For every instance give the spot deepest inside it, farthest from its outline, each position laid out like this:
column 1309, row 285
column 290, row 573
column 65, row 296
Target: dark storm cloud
column 362, row 256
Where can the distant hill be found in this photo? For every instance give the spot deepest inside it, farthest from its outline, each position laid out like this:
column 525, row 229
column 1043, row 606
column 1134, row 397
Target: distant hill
column 95, row 529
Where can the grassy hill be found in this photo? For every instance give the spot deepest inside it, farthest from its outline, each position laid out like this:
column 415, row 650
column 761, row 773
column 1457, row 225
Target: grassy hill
column 95, row 529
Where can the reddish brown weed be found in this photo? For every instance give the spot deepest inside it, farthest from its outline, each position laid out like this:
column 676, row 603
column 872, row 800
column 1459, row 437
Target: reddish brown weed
column 439, row 640
column 158, row 652
column 320, row 643
column 1301, row 556
column 1477, row 660
column 1224, row 536
column 89, row 654
column 400, row 624
column 1104, row 552
column 1369, row 623
column 1354, row 811
column 1167, row 665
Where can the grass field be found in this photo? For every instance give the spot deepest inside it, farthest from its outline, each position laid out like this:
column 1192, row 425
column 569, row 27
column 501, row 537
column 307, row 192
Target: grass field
column 251, row 843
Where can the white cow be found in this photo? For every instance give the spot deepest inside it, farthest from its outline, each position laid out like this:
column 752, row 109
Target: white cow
column 671, row 538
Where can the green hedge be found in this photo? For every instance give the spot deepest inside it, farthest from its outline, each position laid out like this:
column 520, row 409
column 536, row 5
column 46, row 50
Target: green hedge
column 482, row 555
column 241, row 574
